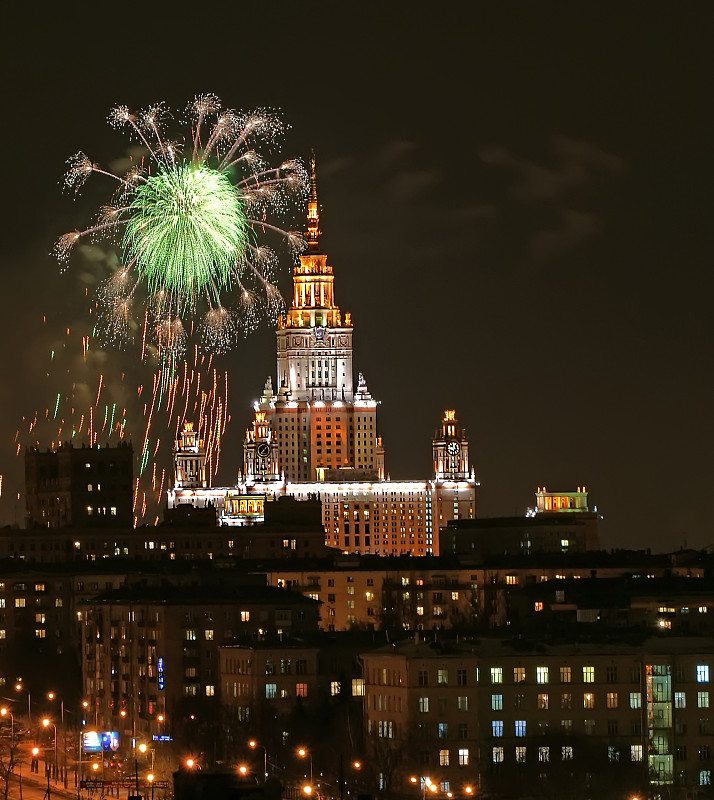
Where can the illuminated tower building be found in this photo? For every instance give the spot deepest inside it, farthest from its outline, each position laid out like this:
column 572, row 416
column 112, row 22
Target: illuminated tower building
column 453, row 478
column 315, row 434
column 317, row 423
column 189, row 460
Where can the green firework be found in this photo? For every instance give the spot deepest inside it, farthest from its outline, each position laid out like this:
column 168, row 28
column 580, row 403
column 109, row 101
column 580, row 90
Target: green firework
column 186, row 233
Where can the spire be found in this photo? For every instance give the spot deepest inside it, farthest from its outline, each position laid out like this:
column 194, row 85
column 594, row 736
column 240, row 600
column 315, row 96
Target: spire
column 313, row 213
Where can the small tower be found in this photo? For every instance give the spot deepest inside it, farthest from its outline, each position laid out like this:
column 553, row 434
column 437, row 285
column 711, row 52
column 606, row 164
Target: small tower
column 260, row 447
column 189, row 460
column 450, row 449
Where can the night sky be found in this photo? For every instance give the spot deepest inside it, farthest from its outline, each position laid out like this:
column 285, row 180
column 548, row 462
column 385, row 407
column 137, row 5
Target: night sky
column 515, row 198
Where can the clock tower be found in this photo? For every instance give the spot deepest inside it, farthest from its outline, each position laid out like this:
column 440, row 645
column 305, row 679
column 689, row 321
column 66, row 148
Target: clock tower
column 451, row 450
column 454, row 480
column 316, row 423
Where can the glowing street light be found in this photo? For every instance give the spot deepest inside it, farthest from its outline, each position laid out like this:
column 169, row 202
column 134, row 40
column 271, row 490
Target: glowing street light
column 6, row 712
column 303, row 752
column 243, row 770
column 46, row 724
column 253, row 745
column 19, row 686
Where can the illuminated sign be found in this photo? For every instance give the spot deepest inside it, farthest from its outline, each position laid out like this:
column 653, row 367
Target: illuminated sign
column 162, row 738
column 91, row 742
column 110, row 741
column 160, row 671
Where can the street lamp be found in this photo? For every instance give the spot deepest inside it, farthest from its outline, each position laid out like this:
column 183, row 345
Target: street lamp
column 5, row 712
column 425, row 784
column 253, row 744
column 51, row 696
column 243, row 770
column 304, row 753
column 19, row 686
column 46, row 724
column 150, row 778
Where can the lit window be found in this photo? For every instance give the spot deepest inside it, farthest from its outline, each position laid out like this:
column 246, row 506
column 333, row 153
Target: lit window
column 680, row 700
column 588, row 674
column 497, row 755
column 40, row 633
column 462, row 703
column 566, row 674
column 544, row 754
column 496, row 674
column 497, row 727
column 705, row 777
column 357, row 687
column 541, row 674
column 334, row 688
column 443, row 758
column 702, row 673
column 209, row 634
column 190, row 635
column 519, row 674
column 497, row 702
column 636, row 700
column 245, row 616
column 538, row 605
column 442, row 677
column 271, row 691
column 520, row 755
column 424, row 705
column 512, row 580
column 300, row 690
column 463, row 757
column 210, row 690
column 566, row 752
column 588, row 700
column 702, row 699
column 519, row 727
column 635, row 752
column 543, row 702
column 612, row 700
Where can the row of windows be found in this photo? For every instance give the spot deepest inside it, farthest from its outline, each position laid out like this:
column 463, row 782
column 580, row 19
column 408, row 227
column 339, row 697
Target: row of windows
column 588, row 674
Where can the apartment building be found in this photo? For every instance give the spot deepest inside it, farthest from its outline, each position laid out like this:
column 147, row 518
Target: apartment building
column 522, row 719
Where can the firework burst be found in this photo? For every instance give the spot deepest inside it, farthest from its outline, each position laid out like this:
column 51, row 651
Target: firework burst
column 188, row 221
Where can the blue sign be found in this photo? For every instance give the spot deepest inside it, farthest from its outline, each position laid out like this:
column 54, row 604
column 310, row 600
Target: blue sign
column 110, row 741
column 160, row 671
column 162, row 738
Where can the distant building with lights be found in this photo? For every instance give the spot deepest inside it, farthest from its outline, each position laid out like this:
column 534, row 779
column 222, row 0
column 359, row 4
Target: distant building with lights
column 79, row 487
column 315, row 435
column 561, row 522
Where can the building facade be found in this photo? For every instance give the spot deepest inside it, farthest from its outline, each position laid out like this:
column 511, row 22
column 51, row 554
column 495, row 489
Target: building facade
column 315, row 434
column 602, row 719
column 78, row 487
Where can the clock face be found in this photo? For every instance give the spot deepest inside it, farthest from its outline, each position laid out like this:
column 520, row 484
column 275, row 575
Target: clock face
column 452, row 448
column 319, row 334
column 263, row 450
